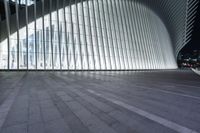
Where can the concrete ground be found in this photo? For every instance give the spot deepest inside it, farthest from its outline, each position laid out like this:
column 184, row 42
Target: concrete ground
column 100, row 102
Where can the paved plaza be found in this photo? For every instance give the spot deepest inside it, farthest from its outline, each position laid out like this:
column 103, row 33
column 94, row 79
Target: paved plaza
column 100, row 102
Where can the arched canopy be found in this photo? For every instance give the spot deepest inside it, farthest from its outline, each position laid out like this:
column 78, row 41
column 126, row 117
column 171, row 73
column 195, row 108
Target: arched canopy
column 96, row 34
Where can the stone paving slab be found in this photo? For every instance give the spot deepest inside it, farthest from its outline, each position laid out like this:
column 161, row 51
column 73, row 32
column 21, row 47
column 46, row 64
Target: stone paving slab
column 54, row 102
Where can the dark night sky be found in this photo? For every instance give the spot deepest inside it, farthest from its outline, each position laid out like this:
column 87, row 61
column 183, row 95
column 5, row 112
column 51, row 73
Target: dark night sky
column 194, row 44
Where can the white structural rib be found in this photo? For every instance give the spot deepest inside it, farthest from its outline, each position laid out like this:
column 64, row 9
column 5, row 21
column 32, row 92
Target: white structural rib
column 95, row 34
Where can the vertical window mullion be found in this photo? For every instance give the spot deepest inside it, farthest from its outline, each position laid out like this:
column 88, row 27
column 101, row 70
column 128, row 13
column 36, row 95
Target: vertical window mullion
column 127, row 30
column 72, row 35
column 101, row 36
column 65, row 26
column 59, row 43
column 95, row 27
column 117, row 45
column 52, row 56
column 27, row 39
column 107, row 40
column 87, row 51
column 120, row 35
column 141, row 25
column 43, row 36
column 17, row 25
column 35, row 29
column 124, row 37
column 134, row 56
column 8, row 32
column 80, row 45
column 113, row 49
column 135, row 35
column 90, row 31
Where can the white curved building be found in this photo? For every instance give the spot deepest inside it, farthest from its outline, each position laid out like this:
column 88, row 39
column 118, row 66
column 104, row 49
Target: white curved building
column 95, row 34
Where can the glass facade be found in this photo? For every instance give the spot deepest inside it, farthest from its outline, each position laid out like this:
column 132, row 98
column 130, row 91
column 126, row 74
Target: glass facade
column 88, row 35
column 23, row 2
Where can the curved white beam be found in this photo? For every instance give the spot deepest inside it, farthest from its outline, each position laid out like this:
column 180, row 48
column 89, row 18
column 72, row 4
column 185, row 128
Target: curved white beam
column 102, row 35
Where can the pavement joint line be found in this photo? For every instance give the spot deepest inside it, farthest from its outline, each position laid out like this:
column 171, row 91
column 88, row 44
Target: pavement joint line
column 171, row 92
column 179, row 84
column 179, row 94
column 8, row 103
column 167, row 123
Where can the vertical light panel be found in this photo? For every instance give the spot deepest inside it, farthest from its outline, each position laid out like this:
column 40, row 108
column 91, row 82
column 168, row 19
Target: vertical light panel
column 13, row 43
column 27, row 37
column 17, row 25
column 47, row 33
column 31, row 58
column 6, row 44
